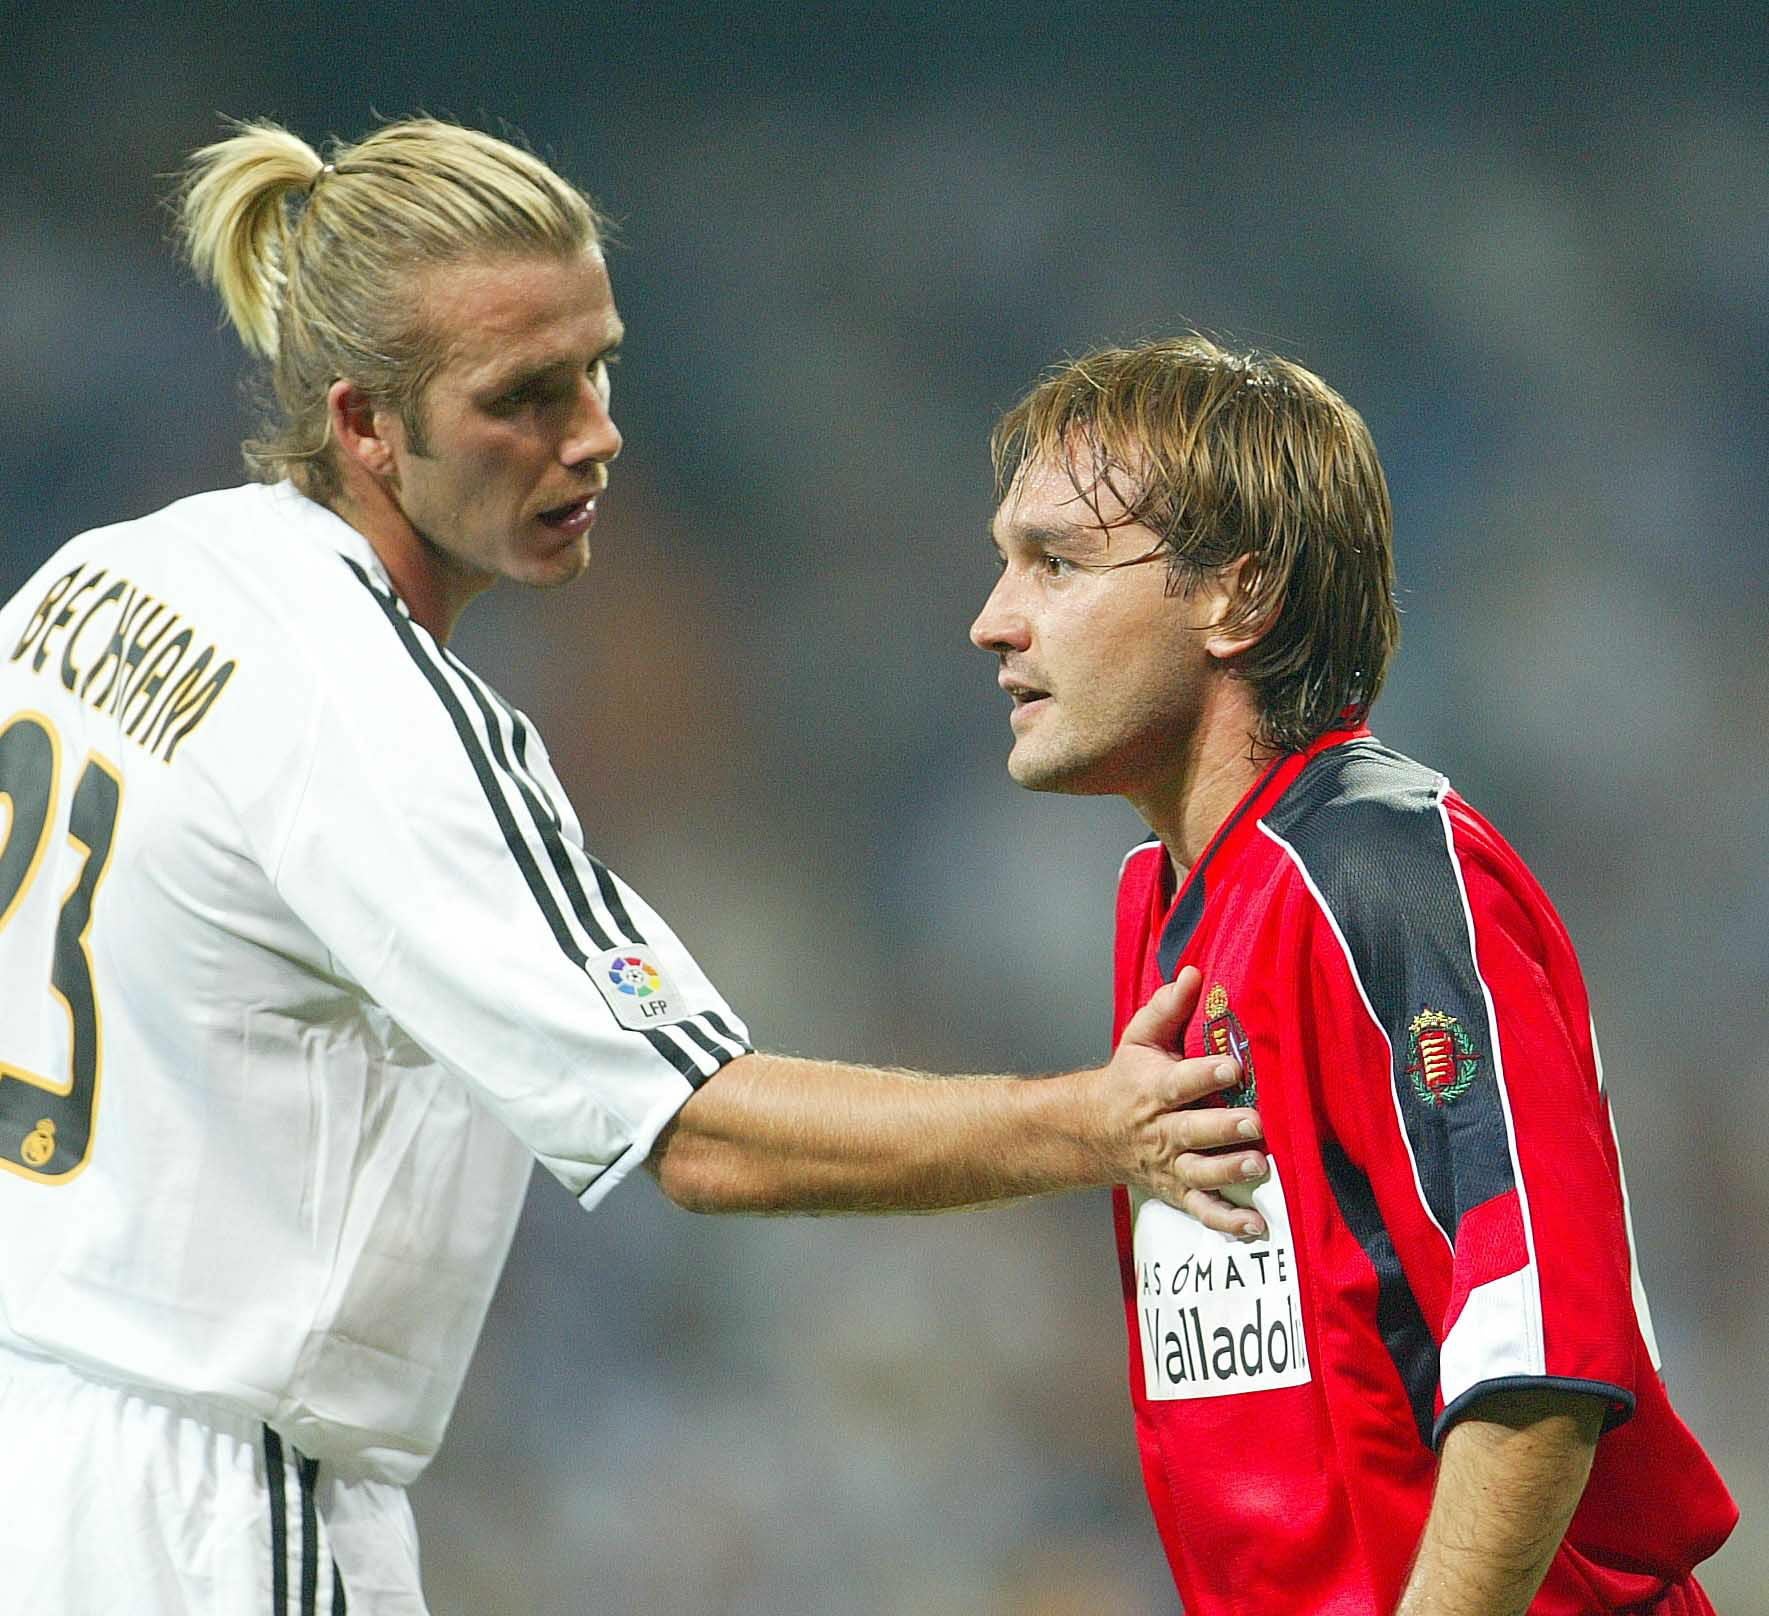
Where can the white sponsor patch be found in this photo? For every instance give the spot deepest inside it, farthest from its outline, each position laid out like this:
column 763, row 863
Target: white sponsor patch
column 1217, row 1316
column 637, row 989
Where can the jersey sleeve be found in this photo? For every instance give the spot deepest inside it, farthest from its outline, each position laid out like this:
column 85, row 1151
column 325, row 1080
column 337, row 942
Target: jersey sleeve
column 426, row 846
column 1543, row 1279
column 1478, row 1166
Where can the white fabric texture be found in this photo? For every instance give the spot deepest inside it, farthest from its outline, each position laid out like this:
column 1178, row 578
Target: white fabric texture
column 350, row 966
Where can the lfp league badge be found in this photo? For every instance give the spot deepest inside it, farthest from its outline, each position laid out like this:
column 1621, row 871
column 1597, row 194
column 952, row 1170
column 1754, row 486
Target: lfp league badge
column 637, row 988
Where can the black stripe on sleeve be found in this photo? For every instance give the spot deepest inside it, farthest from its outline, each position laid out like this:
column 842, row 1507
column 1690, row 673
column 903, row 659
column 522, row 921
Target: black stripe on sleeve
column 338, row 1605
column 717, row 1051
column 605, row 884
column 678, row 1057
column 546, row 821
column 542, row 816
column 1367, row 826
column 518, row 744
column 307, row 1472
column 700, row 1031
column 724, row 1028
column 549, row 822
column 729, row 1045
column 482, row 768
column 279, row 1523
column 596, row 1177
column 1399, row 1320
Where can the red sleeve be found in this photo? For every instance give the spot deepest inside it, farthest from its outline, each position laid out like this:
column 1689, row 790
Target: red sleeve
column 1542, row 1273
column 1468, row 1101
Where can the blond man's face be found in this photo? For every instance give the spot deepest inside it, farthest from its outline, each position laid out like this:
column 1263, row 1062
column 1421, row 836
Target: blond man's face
column 517, row 430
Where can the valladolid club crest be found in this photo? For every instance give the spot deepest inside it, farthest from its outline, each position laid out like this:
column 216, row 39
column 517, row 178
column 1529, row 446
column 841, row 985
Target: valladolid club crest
column 1441, row 1058
column 1224, row 1035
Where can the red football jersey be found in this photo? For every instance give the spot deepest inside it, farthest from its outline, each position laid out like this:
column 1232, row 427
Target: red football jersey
column 1447, row 1215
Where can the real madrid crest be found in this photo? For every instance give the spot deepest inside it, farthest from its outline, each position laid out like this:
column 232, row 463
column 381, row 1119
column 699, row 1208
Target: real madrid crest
column 39, row 1144
column 1224, row 1035
column 1441, row 1058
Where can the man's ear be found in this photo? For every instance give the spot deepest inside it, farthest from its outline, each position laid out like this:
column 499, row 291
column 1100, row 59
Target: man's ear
column 1228, row 591
column 361, row 430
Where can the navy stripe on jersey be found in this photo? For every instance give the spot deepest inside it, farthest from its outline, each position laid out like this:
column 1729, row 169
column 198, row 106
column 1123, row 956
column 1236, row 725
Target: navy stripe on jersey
column 540, row 805
column 1190, row 908
column 482, row 768
column 543, row 817
column 518, row 734
column 279, row 1523
column 307, row 1473
column 307, row 1481
column 723, row 1028
column 1366, row 827
column 695, row 1054
column 704, row 1041
column 1399, row 1320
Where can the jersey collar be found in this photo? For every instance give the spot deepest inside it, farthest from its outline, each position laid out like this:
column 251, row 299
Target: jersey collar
column 1231, row 836
column 322, row 527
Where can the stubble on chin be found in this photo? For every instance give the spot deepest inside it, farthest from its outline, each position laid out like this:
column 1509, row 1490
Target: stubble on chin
column 565, row 566
column 1035, row 771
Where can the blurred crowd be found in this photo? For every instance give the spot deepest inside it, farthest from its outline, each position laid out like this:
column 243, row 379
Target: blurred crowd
column 1541, row 273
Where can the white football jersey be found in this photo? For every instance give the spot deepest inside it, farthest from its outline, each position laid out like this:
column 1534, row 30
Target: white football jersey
column 302, row 958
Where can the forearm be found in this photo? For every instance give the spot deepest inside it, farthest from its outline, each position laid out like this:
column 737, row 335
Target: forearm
column 1509, row 1479
column 773, row 1134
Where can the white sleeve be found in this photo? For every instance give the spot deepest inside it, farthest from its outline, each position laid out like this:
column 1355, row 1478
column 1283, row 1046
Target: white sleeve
column 427, row 851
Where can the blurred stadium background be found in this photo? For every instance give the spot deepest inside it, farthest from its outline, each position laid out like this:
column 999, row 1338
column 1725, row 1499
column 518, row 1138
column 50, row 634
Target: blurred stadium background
column 1529, row 241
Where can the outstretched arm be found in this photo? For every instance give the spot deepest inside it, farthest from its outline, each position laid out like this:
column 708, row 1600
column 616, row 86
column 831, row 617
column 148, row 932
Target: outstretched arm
column 1509, row 1479
column 774, row 1134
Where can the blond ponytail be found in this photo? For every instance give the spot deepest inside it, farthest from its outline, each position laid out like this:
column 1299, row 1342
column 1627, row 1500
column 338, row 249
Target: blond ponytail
column 315, row 261
column 233, row 217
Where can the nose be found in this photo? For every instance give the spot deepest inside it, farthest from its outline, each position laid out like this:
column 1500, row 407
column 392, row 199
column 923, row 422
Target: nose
column 1001, row 626
column 594, row 438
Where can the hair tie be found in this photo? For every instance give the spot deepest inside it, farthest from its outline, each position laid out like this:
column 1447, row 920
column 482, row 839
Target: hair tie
column 323, row 170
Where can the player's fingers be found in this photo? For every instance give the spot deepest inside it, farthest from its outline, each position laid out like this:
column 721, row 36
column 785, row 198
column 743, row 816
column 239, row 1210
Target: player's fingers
column 1214, row 1127
column 1216, row 1172
column 1223, row 1216
column 1161, row 1020
column 1202, row 1076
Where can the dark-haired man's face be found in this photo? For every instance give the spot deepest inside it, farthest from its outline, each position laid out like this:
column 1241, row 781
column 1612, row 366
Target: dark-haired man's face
column 1107, row 669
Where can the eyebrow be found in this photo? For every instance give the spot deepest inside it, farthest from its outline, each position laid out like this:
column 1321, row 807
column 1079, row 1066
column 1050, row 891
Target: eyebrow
column 1046, row 537
column 522, row 375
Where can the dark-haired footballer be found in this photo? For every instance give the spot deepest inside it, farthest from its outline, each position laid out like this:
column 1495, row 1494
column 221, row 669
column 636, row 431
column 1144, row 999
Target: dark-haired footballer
column 1432, row 1387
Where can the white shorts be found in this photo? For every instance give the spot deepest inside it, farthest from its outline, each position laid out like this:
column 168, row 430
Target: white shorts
column 117, row 1499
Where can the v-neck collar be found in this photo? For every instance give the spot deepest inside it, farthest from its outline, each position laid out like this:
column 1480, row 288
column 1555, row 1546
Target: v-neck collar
column 1231, row 836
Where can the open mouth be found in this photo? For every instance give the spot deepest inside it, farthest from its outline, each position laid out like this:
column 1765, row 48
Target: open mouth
column 576, row 516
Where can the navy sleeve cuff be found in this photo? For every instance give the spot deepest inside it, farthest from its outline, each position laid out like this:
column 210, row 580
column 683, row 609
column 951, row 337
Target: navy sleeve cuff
column 1618, row 1410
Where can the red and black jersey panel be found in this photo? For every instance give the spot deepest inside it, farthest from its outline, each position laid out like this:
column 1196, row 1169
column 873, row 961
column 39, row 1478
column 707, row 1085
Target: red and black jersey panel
column 1447, row 1211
